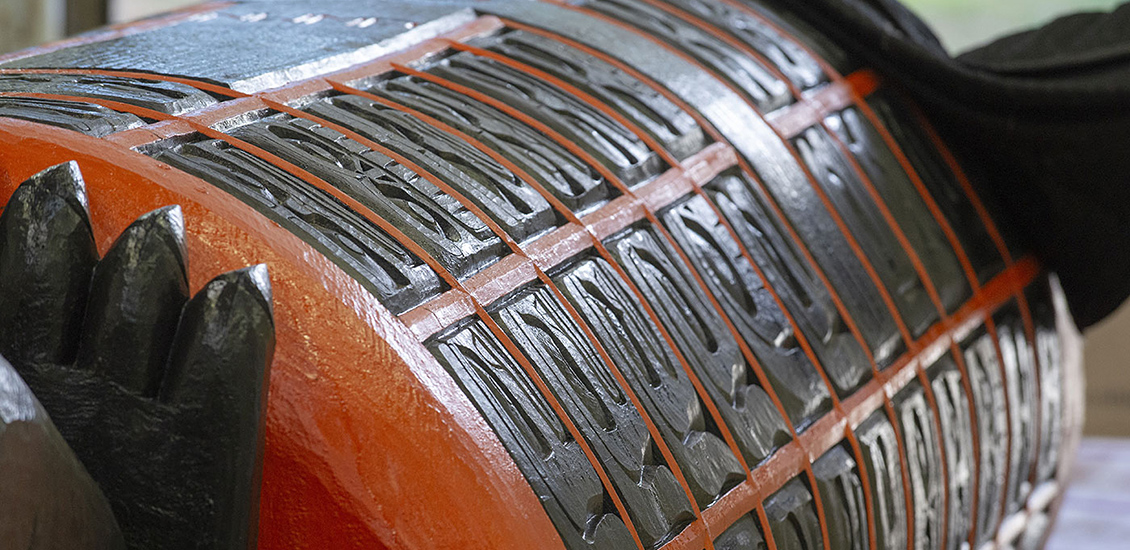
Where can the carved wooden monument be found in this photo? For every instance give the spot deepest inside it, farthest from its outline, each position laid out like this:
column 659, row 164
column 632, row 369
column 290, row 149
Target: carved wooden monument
column 601, row 274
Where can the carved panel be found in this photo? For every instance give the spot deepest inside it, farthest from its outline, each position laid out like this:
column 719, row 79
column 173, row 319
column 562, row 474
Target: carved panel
column 518, row 208
column 905, row 203
column 841, row 492
column 744, row 534
column 569, row 178
column 875, row 237
column 87, row 118
column 1049, row 359
column 919, row 431
column 880, row 454
column 984, row 370
column 791, row 513
column 655, row 375
column 608, row 141
column 166, row 97
column 794, row 281
column 941, row 182
column 544, row 450
column 648, row 109
column 704, row 340
column 786, row 56
column 394, row 275
column 571, row 367
column 1023, row 408
column 756, row 83
column 749, row 305
column 957, row 434
column 451, row 234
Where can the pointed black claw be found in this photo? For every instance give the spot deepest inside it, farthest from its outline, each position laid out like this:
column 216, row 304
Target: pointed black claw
column 136, row 298
column 218, row 368
column 47, row 254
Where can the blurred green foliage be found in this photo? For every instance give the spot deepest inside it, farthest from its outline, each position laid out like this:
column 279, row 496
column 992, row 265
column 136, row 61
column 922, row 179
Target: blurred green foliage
column 963, row 24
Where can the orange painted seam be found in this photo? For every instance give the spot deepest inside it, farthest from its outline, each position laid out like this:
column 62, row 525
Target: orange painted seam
column 885, row 212
column 864, row 83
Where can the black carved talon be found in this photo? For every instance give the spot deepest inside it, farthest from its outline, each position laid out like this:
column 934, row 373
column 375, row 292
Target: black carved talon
column 47, row 254
column 135, row 299
column 160, row 396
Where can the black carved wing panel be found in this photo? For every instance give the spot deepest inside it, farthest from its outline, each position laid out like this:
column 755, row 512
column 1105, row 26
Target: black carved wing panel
column 842, row 494
column 602, row 411
column 171, row 98
column 702, row 336
column 760, row 86
column 791, row 513
column 750, row 306
column 942, row 184
column 655, row 375
column 862, row 217
column 744, row 534
column 906, row 205
column 86, row 118
column 984, row 369
column 1019, row 360
column 650, row 110
column 451, row 233
column 794, row 281
column 880, row 454
column 925, row 470
column 579, row 186
column 601, row 136
column 397, row 277
column 517, row 208
column 957, row 436
column 552, row 461
column 1049, row 360
column 788, row 57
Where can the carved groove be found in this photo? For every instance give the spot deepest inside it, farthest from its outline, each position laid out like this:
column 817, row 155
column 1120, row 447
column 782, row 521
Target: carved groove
column 862, row 217
column 841, row 492
column 171, row 98
column 1023, row 408
column 905, row 204
column 573, row 370
column 601, row 136
column 664, row 121
column 757, row 84
column 794, row 281
column 880, row 455
column 957, row 433
column 392, row 273
column 942, row 184
column 546, row 453
column 924, row 462
column 751, row 308
column 451, row 234
column 572, row 181
column 983, row 368
column 655, row 375
column 704, row 340
column 87, row 118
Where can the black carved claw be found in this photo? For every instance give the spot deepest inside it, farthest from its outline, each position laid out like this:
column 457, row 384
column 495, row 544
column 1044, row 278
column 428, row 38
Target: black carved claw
column 160, row 396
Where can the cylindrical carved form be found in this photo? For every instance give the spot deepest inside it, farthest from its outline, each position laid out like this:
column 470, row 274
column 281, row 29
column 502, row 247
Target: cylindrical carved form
column 597, row 274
